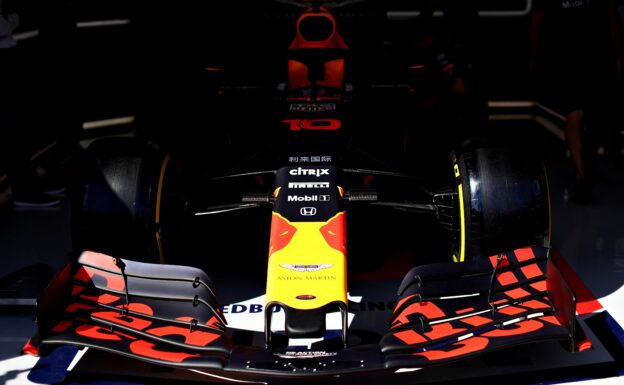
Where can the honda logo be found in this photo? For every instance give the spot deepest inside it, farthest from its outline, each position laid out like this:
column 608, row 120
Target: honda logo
column 308, row 211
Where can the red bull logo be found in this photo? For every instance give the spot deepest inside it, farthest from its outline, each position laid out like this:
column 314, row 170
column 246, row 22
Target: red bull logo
column 281, row 233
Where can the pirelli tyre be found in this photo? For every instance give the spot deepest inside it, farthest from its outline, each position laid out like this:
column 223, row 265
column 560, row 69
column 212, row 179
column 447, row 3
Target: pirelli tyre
column 117, row 201
column 502, row 201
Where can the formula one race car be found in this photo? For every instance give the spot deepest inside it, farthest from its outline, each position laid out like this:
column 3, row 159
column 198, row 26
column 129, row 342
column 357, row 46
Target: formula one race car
column 322, row 223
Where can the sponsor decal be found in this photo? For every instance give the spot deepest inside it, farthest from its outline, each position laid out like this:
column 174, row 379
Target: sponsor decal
column 306, row 354
column 308, row 198
column 317, row 172
column 307, row 278
column 312, row 107
column 310, row 159
column 249, row 315
column 306, row 297
column 307, row 268
column 250, row 308
column 575, row 4
column 308, row 185
column 307, row 211
column 364, row 307
column 313, row 124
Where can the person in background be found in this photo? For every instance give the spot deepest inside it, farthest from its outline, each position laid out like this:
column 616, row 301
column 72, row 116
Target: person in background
column 579, row 44
column 27, row 191
column 442, row 80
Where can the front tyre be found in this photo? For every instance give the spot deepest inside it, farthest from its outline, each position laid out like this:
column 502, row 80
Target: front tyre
column 502, row 201
column 117, row 202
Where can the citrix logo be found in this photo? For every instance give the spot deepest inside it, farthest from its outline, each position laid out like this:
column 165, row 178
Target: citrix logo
column 309, row 171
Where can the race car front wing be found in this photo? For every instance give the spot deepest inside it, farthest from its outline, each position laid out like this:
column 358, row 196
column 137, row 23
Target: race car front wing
column 169, row 315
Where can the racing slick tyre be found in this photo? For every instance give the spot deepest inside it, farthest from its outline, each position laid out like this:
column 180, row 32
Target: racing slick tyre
column 116, row 204
column 503, row 201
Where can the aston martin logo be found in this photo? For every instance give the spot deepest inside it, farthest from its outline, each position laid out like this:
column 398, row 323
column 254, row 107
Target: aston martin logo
column 306, row 268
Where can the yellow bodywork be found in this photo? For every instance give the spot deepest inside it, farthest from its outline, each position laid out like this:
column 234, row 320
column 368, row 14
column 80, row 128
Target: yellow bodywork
column 310, row 264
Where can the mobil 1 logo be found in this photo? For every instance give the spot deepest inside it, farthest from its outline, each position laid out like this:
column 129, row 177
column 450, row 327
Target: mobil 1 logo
column 308, row 198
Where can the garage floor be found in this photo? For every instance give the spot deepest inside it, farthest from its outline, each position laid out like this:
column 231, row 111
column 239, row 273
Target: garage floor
column 590, row 237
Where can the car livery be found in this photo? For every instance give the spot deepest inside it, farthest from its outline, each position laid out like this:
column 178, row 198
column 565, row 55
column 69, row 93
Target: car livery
column 170, row 315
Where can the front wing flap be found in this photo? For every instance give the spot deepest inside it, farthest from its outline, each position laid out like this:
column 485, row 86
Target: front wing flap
column 159, row 313
column 447, row 312
column 169, row 315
